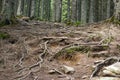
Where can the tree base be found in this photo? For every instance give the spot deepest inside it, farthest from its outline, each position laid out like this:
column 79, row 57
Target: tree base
column 7, row 22
column 113, row 20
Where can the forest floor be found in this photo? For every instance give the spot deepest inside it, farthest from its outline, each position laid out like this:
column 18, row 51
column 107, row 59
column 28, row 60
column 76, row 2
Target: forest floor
column 32, row 51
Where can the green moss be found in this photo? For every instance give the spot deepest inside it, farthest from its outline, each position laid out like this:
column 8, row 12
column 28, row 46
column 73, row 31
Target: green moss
column 108, row 40
column 69, row 23
column 78, row 23
column 4, row 35
column 19, row 16
column 113, row 20
column 72, row 50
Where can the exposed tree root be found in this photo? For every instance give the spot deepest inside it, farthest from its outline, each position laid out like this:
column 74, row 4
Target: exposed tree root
column 77, row 45
column 32, row 66
column 67, row 38
column 61, row 73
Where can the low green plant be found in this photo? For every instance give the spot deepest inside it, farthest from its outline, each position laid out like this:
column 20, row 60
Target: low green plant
column 71, row 23
column 77, row 23
column 4, row 35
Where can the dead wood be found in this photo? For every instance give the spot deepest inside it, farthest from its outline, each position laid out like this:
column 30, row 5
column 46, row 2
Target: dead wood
column 100, row 65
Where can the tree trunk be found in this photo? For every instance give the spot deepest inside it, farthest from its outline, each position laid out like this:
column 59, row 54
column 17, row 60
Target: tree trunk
column 1, row 5
column 8, row 12
column 78, row 10
column 68, row 10
column 117, row 9
column 58, row 7
column 84, row 11
column 91, row 11
column 74, row 11
column 19, row 11
column 108, row 8
column 32, row 9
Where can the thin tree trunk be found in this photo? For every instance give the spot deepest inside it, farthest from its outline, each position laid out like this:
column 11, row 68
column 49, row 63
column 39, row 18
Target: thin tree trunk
column 1, row 1
column 91, row 11
column 108, row 8
column 83, row 11
column 78, row 10
column 68, row 10
column 74, row 11
column 32, row 8
column 58, row 10
column 19, row 11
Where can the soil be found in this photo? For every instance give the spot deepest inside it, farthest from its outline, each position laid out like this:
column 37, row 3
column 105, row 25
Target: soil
column 27, row 42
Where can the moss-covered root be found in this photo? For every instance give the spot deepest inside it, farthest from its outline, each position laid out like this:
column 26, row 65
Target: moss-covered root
column 113, row 20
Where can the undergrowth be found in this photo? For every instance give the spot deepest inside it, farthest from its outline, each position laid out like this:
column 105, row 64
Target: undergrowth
column 4, row 35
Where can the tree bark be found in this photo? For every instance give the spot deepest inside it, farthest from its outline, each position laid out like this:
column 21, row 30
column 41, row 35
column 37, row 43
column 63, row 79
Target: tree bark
column 68, row 10
column 8, row 12
column 74, row 11
column 1, row 5
column 83, row 11
column 19, row 11
column 58, row 11
column 32, row 9
column 117, row 9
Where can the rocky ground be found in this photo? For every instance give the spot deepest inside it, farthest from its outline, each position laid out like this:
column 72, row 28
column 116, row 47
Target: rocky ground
column 39, row 50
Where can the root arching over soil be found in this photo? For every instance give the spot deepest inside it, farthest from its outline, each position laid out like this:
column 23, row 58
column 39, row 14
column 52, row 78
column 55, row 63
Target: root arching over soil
column 31, row 51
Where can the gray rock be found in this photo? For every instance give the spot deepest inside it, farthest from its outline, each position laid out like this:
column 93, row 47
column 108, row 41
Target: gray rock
column 51, row 71
column 112, row 69
column 67, row 69
column 84, row 77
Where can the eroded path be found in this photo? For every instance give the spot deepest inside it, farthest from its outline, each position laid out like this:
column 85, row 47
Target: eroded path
column 31, row 51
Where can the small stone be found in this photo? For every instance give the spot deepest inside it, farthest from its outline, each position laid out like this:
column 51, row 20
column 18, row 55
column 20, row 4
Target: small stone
column 51, row 71
column 84, row 77
column 87, row 66
column 67, row 69
column 61, row 76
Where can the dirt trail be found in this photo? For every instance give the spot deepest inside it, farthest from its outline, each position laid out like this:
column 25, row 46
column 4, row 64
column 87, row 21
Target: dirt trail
column 22, row 53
